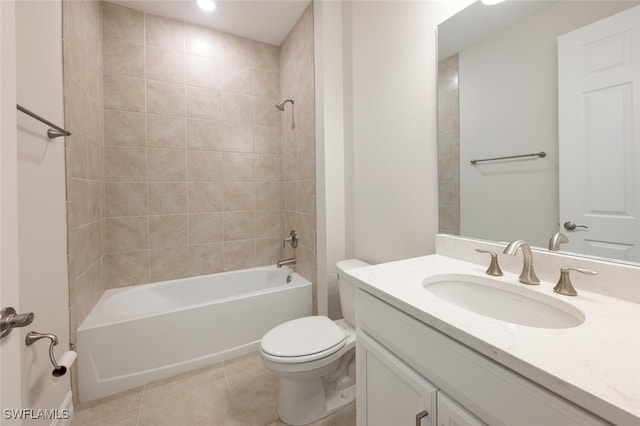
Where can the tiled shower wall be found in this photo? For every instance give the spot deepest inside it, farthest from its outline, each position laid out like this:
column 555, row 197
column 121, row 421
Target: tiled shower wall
column 448, row 146
column 82, row 44
column 192, row 149
column 298, row 142
column 82, row 48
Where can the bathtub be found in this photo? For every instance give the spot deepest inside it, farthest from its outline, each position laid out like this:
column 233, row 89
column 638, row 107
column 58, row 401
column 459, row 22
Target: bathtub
column 139, row 334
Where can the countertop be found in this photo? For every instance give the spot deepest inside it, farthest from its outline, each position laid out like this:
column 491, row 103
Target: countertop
column 596, row 364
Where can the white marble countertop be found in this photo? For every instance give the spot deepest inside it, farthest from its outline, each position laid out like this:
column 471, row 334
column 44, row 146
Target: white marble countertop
column 596, row 364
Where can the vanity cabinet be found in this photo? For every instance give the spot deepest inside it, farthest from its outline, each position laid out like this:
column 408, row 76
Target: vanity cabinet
column 406, row 367
column 390, row 392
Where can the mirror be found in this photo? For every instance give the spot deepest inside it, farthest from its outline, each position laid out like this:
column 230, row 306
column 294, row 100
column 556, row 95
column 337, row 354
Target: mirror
column 498, row 96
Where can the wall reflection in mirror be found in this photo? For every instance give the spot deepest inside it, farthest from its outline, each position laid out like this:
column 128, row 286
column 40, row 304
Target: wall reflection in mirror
column 528, row 77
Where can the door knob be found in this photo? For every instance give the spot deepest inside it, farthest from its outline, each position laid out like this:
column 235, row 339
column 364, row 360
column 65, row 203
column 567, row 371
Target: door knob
column 10, row 319
column 570, row 226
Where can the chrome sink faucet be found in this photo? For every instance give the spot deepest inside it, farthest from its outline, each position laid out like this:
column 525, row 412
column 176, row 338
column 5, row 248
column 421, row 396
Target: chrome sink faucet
column 528, row 275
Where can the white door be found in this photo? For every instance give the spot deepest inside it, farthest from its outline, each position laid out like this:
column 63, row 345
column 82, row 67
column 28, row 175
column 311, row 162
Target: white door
column 10, row 389
column 389, row 392
column 599, row 134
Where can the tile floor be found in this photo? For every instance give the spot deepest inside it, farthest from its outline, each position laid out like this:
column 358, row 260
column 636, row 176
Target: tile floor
column 238, row 392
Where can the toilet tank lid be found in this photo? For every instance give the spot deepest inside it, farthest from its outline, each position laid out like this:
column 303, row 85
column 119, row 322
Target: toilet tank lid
column 345, row 265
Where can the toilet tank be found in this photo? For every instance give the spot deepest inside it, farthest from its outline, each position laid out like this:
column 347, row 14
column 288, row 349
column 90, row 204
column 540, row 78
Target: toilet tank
column 348, row 290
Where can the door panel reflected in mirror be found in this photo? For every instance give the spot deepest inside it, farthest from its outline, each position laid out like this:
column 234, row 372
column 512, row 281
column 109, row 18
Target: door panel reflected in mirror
column 507, row 93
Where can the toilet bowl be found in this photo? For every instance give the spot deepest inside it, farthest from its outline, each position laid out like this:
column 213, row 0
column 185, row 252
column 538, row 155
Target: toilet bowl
column 314, row 358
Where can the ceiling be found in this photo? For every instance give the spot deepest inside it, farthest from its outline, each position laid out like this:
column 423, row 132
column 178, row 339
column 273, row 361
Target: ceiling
column 267, row 21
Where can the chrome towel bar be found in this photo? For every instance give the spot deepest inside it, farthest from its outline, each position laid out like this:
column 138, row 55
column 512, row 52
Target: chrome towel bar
column 540, row 154
column 53, row 133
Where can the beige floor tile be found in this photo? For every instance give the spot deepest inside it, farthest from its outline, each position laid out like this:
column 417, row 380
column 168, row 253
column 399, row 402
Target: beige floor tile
column 255, row 396
column 107, row 407
column 125, row 418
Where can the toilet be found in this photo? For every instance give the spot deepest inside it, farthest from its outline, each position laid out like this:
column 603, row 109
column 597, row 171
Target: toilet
column 314, row 357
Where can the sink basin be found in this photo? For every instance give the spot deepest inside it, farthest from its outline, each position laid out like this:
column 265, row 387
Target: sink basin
column 502, row 301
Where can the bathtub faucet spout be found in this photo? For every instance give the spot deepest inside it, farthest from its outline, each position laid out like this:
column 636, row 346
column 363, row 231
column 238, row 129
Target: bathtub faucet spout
column 290, row 261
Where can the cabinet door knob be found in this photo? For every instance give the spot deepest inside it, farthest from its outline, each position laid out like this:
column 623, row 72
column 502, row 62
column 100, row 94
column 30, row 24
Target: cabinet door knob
column 421, row 415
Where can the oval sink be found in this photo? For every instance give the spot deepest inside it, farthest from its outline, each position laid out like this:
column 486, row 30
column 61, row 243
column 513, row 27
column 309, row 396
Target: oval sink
column 501, row 301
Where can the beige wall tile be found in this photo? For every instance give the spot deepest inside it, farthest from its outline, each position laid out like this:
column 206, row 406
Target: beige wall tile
column 164, row 131
column 204, row 135
column 122, row 22
column 167, row 198
column 268, row 224
column 265, row 112
column 237, row 50
column 203, row 103
column 123, row 93
column 237, row 137
column 123, row 128
column 205, row 197
column 123, row 57
column 268, row 196
column 165, row 98
column 205, row 228
column 306, row 196
column 126, row 234
column 125, row 199
column 268, row 251
column 203, row 41
column 76, row 156
column 238, row 167
column 78, row 190
column 267, row 140
column 238, row 226
column 267, row 56
column 125, row 164
column 95, row 200
column 237, row 78
column 237, row 109
column 126, row 269
column 165, row 65
column 206, row 259
column 168, row 231
column 266, row 83
column 164, row 33
column 204, row 72
column 205, row 166
column 268, row 167
column 289, row 166
column 238, row 196
column 95, row 159
column 167, row 165
column 168, row 264
column 239, row 255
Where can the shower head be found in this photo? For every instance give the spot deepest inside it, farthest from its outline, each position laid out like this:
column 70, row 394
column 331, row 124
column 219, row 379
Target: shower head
column 280, row 106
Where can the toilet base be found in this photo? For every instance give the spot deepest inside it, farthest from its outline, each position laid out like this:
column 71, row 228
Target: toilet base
column 304, row 402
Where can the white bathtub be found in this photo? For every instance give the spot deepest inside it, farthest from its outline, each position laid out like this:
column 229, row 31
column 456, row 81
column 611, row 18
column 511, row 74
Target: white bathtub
column 135, row 335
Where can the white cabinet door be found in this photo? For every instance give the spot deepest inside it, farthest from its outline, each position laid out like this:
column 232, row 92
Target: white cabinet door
column 451, row 414
column 389, row 392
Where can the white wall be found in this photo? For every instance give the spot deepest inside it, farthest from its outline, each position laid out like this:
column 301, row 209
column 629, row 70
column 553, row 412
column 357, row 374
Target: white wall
column 391, row 82
column 42, row 235
column 330, row 178
column 509, row 106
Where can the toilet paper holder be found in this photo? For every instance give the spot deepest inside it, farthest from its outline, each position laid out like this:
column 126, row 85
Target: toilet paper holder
column 34, row 336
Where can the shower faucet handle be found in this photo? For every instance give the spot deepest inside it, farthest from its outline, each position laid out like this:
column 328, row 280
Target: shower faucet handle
column 291, row 239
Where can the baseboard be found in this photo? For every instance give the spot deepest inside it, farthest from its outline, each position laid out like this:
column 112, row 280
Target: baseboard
column 66, row 412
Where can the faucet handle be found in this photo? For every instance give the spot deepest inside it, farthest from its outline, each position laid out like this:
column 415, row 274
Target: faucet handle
column 564, row 285
column 494, row 267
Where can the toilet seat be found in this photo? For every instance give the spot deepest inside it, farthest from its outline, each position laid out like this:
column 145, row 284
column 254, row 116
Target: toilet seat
column 303, row 340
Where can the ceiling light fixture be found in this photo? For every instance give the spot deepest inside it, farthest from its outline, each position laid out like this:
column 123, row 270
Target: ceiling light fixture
column 491, row 2
column 207, row 5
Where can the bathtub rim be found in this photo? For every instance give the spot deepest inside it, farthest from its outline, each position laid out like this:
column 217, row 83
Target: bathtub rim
column 90, row 323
